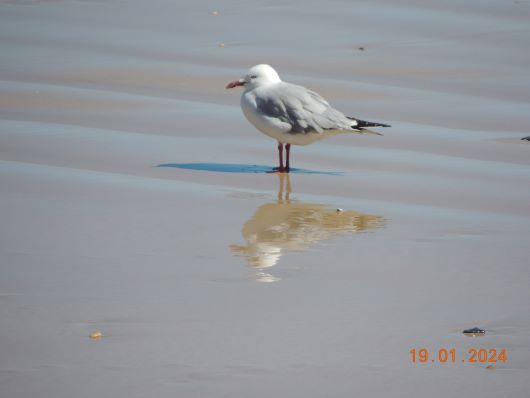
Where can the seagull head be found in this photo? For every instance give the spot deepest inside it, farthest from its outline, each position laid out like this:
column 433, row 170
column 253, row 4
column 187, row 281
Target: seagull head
column 258, row 75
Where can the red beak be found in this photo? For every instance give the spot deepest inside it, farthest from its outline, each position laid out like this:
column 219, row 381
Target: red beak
column 235, row 83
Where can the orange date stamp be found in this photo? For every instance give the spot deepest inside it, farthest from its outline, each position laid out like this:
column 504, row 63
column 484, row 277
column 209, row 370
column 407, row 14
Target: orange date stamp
column 445, row 355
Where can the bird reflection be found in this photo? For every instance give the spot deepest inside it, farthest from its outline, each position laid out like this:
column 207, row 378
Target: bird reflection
column 290, row 225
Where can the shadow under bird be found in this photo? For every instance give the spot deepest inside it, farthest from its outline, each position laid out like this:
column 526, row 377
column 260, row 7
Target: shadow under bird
column 292, row 114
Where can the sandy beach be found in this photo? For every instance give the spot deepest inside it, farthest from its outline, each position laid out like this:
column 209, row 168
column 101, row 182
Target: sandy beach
column 135, row 201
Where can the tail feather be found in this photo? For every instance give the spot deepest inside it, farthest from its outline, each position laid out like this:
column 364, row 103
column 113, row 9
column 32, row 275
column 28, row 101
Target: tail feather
column 366, row 131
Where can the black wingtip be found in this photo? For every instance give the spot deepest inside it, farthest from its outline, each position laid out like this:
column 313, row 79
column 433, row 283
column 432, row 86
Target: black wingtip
column 364, row 123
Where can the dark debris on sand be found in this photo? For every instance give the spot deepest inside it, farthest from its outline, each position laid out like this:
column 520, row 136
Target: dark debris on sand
column 474, row 332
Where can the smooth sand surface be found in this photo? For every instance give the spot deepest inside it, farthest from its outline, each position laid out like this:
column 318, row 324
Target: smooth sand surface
column 133, row 201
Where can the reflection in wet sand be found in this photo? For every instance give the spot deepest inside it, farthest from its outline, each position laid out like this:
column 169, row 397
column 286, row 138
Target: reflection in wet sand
column 290, row 225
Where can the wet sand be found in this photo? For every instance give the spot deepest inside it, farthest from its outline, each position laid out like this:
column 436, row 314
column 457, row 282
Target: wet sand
column 134, row 201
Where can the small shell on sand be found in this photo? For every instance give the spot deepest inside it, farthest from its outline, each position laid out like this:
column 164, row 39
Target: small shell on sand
column 95, row 335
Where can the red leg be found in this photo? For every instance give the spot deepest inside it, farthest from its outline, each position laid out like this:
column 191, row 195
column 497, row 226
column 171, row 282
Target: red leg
column 287, row 153
column 280, row 156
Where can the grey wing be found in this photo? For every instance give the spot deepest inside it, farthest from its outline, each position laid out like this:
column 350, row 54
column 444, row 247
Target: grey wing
column 325, row 116
column 304, row 110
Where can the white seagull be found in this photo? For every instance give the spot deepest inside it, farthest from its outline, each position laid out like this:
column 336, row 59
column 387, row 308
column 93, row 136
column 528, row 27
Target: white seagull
column 291, row 114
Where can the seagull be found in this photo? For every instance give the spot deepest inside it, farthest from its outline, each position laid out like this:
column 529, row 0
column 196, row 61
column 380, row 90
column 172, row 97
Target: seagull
column 291, row 114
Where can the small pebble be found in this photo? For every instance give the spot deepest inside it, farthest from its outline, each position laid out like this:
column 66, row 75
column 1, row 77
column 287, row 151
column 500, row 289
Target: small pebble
column 474, row 332
column 95, row 335
column 221, row 45
column 360, row 48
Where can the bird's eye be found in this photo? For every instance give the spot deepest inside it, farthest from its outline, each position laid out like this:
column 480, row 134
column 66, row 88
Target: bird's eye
column 253, row 76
